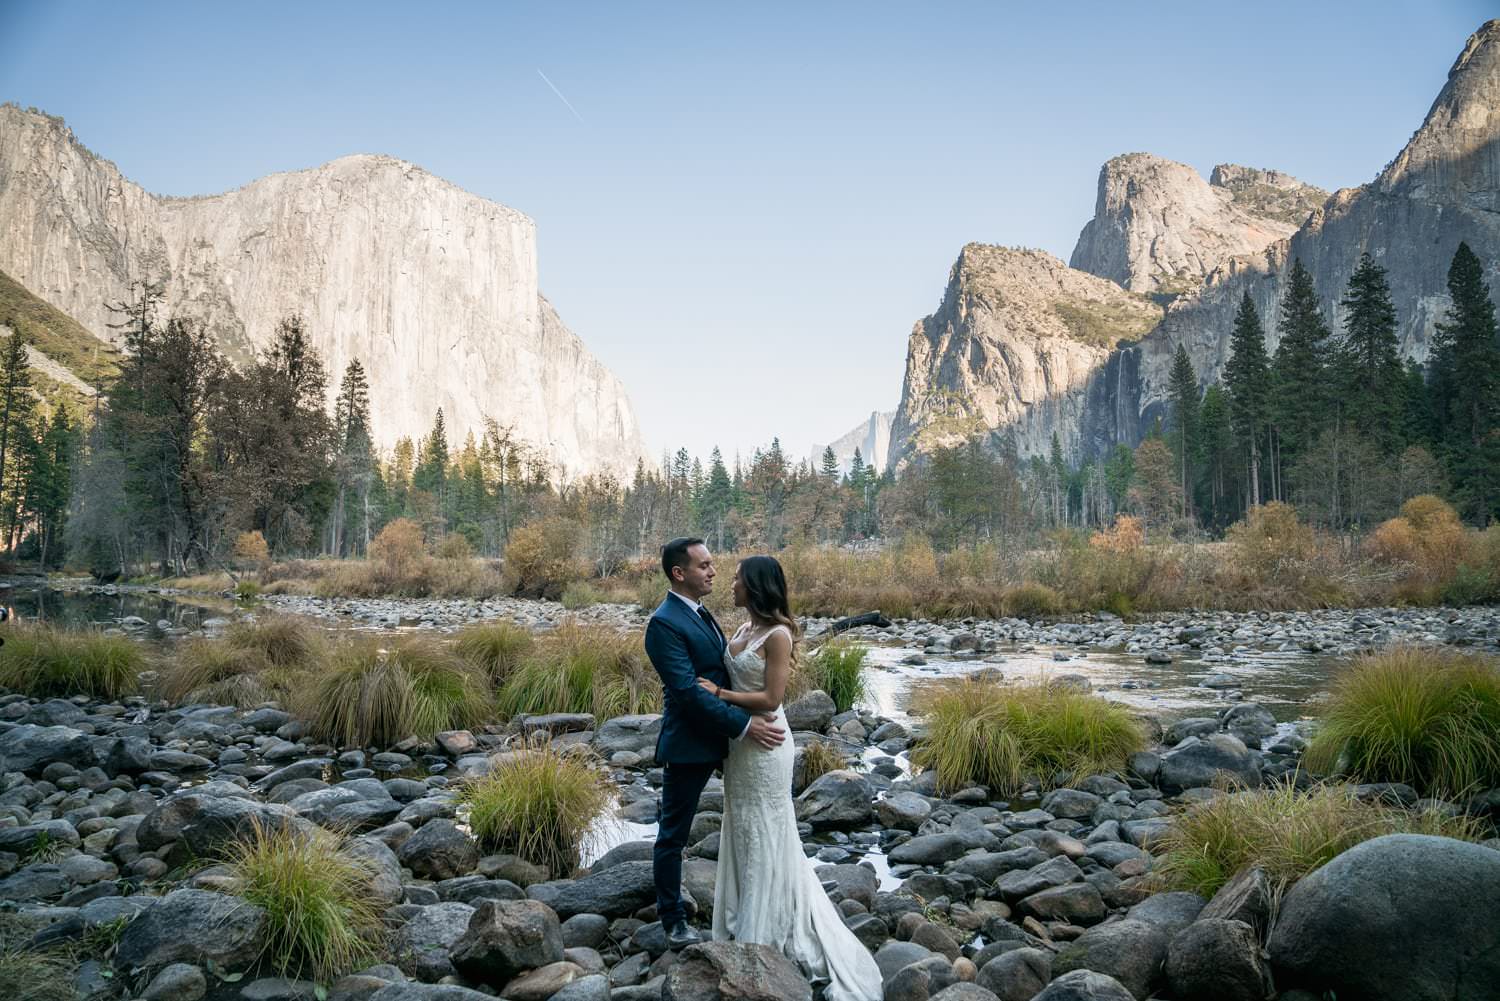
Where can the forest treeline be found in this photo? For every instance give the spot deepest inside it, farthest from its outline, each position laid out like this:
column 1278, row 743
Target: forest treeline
column 182, row 454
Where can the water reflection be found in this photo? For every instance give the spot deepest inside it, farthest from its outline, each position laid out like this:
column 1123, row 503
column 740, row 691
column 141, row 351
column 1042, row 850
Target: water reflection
column 83, row 607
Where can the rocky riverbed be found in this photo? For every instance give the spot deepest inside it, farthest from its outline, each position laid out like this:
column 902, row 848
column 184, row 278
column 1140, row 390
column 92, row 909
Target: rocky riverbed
column 964, row 897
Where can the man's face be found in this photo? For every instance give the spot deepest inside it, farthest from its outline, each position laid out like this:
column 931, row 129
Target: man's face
column 697, row 578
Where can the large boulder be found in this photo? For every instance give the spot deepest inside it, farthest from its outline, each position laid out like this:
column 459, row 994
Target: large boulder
column 30, row 748
column 1204, row 761
column 813, row 711
column 424, row 944
column 1130, row 951
column 504, row 938
column 1247, row 897
column 636, row 734
column 838, row 798
column 1085, row 985
column 1406, row 915
column 617, row 892
column 439, row 850
column 903, row 811
column 1017, row 975
column 734, row 971
column 193, row 926
column 1218, row 960
column 201, row 825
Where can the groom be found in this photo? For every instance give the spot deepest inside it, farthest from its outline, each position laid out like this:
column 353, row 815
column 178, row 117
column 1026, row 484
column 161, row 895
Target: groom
column 685, row 643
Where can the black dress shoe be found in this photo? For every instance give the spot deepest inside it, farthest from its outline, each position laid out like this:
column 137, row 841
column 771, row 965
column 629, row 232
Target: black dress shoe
column 681, row 935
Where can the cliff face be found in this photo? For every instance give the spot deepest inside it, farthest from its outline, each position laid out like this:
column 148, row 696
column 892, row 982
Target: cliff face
column 432, row 288
column 1159, row 227
column 1443, row 188
column 872, row 437
column 1011, row 348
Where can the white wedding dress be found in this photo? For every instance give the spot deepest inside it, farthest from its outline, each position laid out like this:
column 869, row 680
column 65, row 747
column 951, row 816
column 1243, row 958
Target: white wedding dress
column 767, row 890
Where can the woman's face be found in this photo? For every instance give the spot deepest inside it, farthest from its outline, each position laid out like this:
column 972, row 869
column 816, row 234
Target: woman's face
column 738, row 588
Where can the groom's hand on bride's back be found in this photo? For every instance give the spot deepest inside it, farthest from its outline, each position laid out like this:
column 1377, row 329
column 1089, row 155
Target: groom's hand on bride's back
column 765, row 732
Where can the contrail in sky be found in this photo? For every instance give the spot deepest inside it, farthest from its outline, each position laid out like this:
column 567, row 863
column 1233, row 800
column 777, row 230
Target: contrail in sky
column 560, row 97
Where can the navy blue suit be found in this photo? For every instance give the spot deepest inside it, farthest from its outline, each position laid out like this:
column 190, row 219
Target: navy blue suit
column 695, row 731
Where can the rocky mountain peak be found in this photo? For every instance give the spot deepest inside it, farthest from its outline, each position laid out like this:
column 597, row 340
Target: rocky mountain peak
column 1159, row 227
column 1454, row 156
column 432, row 288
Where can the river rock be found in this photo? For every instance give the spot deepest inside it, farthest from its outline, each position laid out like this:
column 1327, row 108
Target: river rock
column 1246, row 897
column 439, row 850
column 1404, row 915
column 504, row 938
column 176, row 982
column 1130, row 951
column 617, row 892
column 1017, row 975
column 920, row 980
column 1217, row 960
column 1070, row 804
column 427, row 992
column 1085, row 985
column 1171, row 912
column 904, row 811
column 193, row 926
column 29, row 748
column 838, row 798
column 1076, row 903
column 812, row 711
column 1202, row 761
column 734, row 971
column 594, row 987
column 636, row 734
column 543, row 982
column 1056, row 871
column 200, row 825
column 1250, row 722
column 424, row 944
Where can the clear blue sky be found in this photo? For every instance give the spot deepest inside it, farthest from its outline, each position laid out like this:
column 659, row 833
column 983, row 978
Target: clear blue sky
column 752, row 205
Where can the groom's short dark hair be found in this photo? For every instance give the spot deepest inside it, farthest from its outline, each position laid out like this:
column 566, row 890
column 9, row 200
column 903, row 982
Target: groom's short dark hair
column 674, row 553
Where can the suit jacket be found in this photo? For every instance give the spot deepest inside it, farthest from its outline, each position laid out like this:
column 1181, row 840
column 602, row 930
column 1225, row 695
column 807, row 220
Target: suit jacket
column 695, row 726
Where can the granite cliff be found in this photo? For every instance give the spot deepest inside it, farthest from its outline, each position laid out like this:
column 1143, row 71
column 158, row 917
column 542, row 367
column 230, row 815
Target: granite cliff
column 872, row 437
column 1159, row 227
column 433, row 289
column 1442, row 188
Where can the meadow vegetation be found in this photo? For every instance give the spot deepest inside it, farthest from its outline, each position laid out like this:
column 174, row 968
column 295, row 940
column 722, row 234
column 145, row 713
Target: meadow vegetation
column 538, row 803
column 836, row 667
column 45, row 660
column 1286, row 831
column 1427, row 717
column 1006, row 737
column 254, row 661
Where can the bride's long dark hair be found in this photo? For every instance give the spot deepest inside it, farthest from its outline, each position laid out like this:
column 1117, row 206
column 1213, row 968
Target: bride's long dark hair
column 766, row 595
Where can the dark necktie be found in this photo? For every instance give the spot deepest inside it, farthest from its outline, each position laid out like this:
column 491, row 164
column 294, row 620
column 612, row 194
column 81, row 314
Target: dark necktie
column 708, row 617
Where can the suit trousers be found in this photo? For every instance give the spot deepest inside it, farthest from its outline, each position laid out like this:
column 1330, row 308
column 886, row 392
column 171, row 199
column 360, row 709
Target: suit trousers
column 681, row 787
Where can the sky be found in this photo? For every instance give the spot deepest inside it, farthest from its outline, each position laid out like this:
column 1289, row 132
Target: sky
column 743, row 209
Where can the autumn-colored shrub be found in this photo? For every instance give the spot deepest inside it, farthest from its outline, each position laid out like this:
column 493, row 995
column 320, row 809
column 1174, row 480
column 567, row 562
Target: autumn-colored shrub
column 398, row 546
column 542, row 558
column 1125, row 536
column 251, row 551
column 1271, row 539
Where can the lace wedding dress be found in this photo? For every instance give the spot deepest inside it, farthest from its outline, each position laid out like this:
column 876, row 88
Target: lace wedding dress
column 767, row 890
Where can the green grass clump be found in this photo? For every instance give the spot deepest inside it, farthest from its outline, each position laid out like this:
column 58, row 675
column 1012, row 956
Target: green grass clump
column 1031, row 601
column 539, row 804
column 44, row 660
column 377, row 696
column 837, row 667
column 253, row 662
column 36, row 975
column 1284, row 831
column 999, row 736
column 583, row 669
column 496, row 648
column 321, row 918
column 578, row 595
column 1426, row 717
column 819, row 758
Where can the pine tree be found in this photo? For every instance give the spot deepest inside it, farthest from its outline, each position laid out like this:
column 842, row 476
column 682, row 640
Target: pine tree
column 1302, row 400
column 718, row 498
column 17, row 402
column 1182, row 389
column 354, row 458
column 857, row 471
column 1216, row 449
column 830, row 468
column 1468, row 412
column 1247, row 380
column 1371, row 381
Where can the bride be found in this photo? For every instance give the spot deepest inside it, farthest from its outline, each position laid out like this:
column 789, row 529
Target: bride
column 767, row 891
